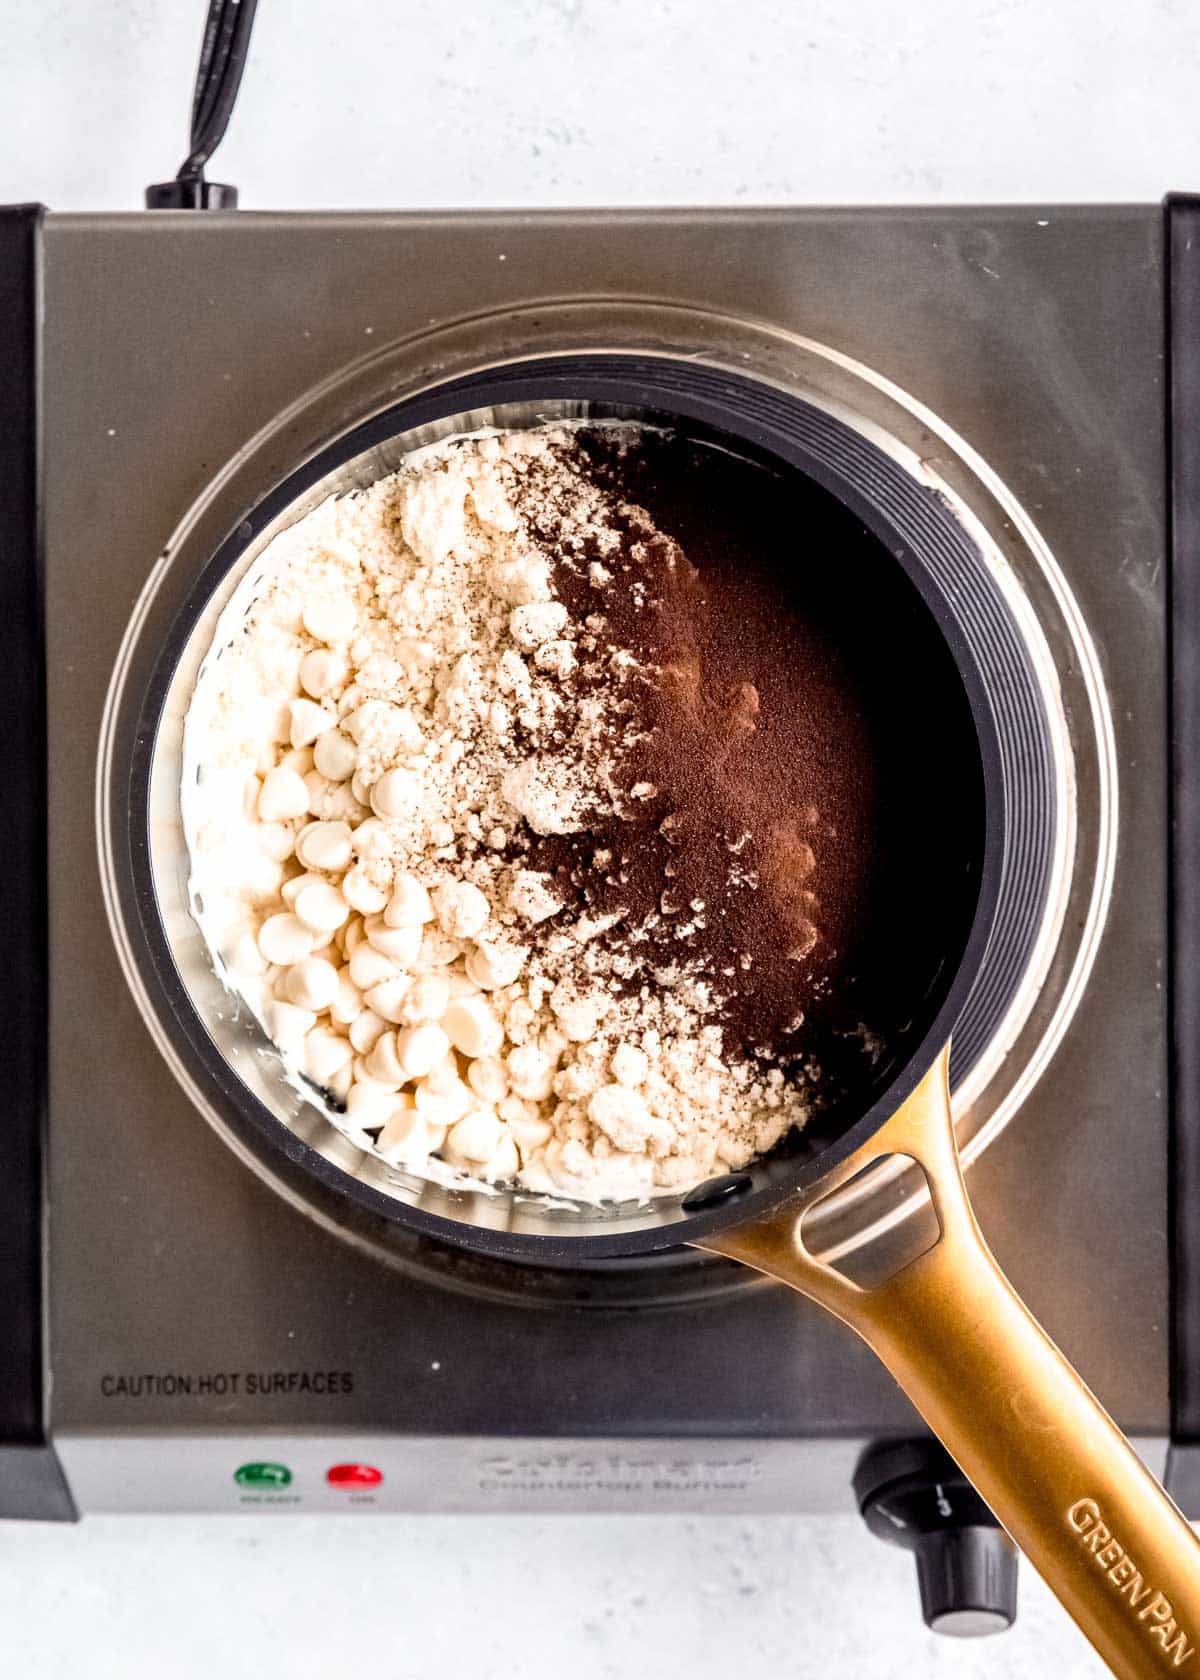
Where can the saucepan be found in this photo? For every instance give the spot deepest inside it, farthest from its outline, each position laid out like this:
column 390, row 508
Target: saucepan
column 1021, row 1423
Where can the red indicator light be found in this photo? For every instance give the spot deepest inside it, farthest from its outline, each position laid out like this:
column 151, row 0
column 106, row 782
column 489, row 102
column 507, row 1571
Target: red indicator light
column 354, row 1476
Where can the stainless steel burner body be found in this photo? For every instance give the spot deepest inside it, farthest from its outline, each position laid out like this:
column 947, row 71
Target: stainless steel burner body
column 190, row 364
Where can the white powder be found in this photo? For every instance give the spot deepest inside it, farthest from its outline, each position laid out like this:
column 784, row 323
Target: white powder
column 390, row 712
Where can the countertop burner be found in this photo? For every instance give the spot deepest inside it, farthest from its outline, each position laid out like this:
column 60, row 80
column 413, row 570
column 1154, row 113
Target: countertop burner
column 184, row 364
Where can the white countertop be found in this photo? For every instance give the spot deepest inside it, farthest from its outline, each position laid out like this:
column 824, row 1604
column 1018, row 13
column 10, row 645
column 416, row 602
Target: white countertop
column 519, row 1598
column 523, row 102
column 527, row 102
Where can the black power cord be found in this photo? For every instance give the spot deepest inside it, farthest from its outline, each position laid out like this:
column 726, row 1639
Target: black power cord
column 218, row 78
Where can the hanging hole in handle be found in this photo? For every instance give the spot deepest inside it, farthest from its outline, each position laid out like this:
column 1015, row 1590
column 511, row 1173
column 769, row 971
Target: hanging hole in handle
column 871, row 1264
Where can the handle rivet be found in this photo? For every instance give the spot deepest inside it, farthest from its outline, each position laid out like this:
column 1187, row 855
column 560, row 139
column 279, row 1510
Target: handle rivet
column 715, row 1190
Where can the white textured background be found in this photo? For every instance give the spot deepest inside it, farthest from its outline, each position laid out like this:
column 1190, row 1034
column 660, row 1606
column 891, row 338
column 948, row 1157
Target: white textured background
column 439, row 102
column 487, row 102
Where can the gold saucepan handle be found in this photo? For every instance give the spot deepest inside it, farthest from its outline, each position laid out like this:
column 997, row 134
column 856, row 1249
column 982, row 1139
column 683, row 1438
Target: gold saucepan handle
column 1012, row 1412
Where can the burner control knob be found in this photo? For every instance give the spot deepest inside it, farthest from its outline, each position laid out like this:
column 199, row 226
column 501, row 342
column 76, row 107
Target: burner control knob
column 912, row 1494
column 968, row 1580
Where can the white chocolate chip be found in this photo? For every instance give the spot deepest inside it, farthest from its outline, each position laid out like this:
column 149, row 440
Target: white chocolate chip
column 371, row 840
column 299, row 759
column 360, row 891
column 359, row 722
column 369, row 967
column 383, row 1063
column 308, row 722
column 387, row 998
column 312, row 984
column 397, row 793
column 421, row 1048
column 320, row 907
column 444, row 1102
column 488, row 1079
column 353, row 934
column 472, row 1028
column 285, row 939
column 347, row 1004
column 504, row 1162
column 402, row 945
column 365, row 1031
column 325, row 1055
column 277, row 723
column 407, row 1138
column 335, row 755
column 369, row 1104
column 410, row 904
column 341, row 1081
column 324, row 845
column 427, row 1000
column 262, row 878
column 287, row 1023
column 282, row 795
column 290, row 890
column 445, row 1076
column 529, row 1134
column 511, row 1109
column 321, row 671
column 476, row 1136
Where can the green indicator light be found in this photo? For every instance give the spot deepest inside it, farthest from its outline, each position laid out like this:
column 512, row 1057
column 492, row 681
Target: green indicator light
column 262, row 1475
